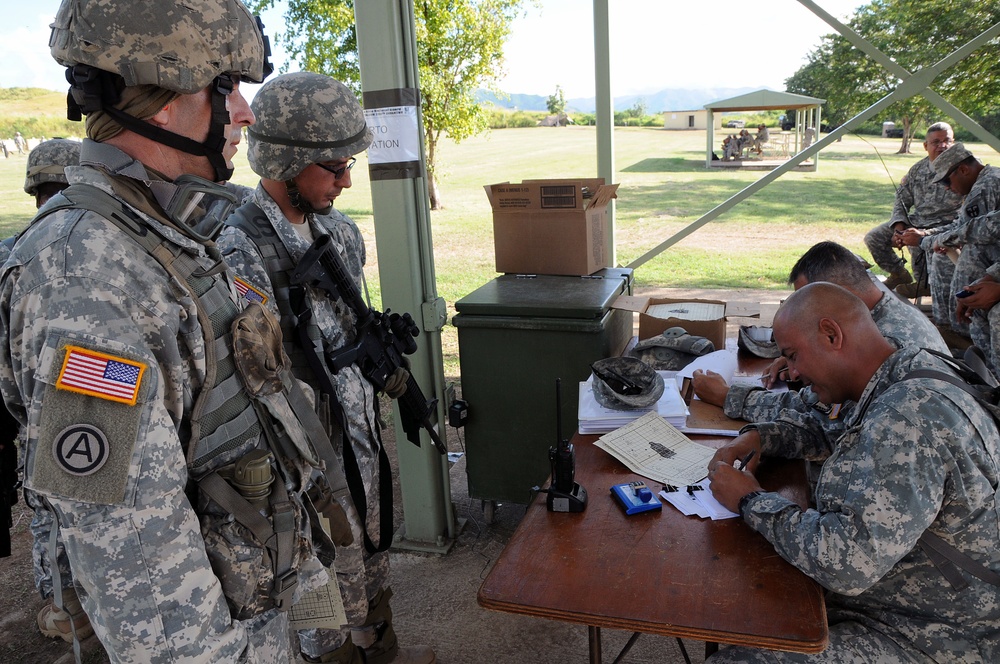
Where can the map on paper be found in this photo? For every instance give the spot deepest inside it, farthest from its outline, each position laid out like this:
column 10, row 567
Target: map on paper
column 322, row 608
column 651, row 447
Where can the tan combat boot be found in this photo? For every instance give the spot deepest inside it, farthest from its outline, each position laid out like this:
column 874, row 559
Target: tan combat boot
column 55, row 624
column 378, row 638
column 898, row 278
column 911, row 291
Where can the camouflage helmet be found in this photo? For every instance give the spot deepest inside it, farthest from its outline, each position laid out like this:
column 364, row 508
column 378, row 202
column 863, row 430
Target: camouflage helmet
column 48, row 161
column 304, row 118
column 178, row 46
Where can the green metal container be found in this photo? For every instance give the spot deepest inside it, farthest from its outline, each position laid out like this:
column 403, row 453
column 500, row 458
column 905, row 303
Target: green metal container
column 516, row 336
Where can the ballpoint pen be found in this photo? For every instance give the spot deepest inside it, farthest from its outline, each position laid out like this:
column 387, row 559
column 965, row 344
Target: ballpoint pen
column 746, row 460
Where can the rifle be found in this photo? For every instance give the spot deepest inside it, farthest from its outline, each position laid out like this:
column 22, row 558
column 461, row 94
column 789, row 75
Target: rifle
column 9, row 482
column 382, row 340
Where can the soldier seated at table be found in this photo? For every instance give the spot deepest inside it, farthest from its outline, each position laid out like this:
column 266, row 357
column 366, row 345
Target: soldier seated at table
column 905, row 529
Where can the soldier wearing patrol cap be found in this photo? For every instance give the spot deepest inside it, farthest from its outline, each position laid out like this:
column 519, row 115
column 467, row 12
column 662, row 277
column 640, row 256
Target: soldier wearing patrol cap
column 309, row 127
column 977, row 232
column 161, row 426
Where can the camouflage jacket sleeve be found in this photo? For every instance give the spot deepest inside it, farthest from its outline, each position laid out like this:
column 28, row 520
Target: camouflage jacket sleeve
column 77, row 291
column 982, row 199
column 916, row 459
column 247, row 266
column 904, row 199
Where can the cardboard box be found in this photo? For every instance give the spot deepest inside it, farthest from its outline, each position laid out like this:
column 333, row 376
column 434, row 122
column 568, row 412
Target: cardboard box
column 551, row 226
column 713, row 329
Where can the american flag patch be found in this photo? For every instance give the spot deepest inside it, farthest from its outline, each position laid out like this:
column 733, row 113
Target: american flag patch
column 248, row 292
column 100, row 375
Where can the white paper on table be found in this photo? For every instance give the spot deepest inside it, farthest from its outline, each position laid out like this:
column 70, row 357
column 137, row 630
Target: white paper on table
column 650, row 446
column 685, row 503
column 722, row 362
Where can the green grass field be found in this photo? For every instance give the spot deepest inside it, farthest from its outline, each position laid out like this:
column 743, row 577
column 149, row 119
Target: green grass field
column 664, row 187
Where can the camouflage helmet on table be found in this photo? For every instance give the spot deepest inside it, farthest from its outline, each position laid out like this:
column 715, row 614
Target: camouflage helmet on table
column 672, row 349
column 172, row 48
column 625, row 383
column 47, row 163
column 303, row 119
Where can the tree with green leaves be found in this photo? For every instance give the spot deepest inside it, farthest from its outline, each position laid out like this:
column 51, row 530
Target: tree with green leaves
column 459, row 50
column 556, row 102
column 915, row 35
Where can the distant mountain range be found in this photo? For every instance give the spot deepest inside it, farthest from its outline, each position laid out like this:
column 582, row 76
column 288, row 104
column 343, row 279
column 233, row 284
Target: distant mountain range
column 669, row 99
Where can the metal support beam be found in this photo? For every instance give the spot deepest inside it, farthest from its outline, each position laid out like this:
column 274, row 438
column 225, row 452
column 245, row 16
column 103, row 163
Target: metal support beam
column 895, row 69
column 605, row 114
column 910, row 86
column 387, row 51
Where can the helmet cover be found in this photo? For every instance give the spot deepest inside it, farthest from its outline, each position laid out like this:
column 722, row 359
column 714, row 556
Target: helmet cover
column 304, row 118
column 48, row 162
column 172, row 45
column 626, row 383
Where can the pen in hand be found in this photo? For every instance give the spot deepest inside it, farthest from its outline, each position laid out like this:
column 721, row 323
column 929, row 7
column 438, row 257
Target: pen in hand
column 746, row 460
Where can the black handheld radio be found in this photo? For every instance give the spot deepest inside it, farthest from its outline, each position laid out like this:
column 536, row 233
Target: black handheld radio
column 565, row 495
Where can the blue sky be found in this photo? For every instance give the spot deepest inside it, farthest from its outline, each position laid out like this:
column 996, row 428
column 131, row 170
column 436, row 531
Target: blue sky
column 655, row 44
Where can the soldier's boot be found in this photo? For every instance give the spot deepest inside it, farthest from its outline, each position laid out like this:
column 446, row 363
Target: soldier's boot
column 378, row 638
column 898, row 278
column 348, row 653
column 55, row 624
column 912, row 291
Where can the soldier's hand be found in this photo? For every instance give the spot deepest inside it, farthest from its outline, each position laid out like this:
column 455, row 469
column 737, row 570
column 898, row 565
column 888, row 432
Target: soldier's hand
column 737, row 450
column 777, row 370
column 710, row 387
column 729, row 485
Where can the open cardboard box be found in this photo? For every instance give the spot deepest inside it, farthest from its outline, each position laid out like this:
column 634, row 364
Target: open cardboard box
column 550, row 227
column 649, row 326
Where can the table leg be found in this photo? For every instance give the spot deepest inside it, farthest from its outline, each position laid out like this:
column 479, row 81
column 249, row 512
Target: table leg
column 594, row 636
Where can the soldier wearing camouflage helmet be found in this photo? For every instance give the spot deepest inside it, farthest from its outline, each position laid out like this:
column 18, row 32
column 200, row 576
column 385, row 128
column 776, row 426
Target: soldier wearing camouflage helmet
column 161, row 426
column 309, row 127
column 46, row 173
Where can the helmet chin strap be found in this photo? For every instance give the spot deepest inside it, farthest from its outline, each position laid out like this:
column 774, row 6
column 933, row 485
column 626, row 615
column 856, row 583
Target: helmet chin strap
column 87, row 94
column 299, row 201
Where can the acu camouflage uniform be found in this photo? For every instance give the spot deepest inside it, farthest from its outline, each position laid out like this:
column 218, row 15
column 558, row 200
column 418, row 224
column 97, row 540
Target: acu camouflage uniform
column 896, row 320
column 46, row 163
column 921, row 455
column 136, row 542
column 928, row 205
column 360, row 575
column 974, row 237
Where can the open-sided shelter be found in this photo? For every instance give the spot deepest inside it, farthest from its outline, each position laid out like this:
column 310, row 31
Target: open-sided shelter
column 807, row 114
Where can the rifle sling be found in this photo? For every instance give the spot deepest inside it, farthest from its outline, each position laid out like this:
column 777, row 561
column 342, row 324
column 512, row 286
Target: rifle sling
column 355, row 483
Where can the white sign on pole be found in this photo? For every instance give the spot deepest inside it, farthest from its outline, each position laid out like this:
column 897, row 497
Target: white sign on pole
column 395, row 134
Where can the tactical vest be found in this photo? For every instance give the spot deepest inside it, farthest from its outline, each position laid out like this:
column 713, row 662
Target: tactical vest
column 297, row 331
column 250, row 219
column 227, row 427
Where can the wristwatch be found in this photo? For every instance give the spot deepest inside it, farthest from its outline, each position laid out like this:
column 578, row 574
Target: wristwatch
column 746, row 499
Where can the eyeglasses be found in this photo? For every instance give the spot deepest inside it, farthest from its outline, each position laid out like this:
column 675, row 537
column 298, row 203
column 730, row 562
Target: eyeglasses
column 617, row 382
column 338, row 171
column 940, row 144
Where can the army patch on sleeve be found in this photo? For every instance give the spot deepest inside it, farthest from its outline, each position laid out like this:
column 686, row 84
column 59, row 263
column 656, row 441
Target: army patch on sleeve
column 248, row 292
column 972, row 211
column 100, row 375
column 81, row 449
